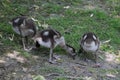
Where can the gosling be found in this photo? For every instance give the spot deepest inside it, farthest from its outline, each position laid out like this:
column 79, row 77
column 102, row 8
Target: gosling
column 24, row 27
column 90, row 43
column 50, row 38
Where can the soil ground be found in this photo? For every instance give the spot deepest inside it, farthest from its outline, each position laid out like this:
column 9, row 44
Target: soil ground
column 15, row 67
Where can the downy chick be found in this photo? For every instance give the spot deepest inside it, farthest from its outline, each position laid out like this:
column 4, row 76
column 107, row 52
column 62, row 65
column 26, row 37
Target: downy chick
column 50, row 38
column 25, row 28
column 90, row 43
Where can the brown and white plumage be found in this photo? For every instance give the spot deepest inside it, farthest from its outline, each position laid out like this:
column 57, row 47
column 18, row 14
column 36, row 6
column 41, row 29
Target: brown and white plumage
column 24, row 27
column 90, row 43
column 51, row 38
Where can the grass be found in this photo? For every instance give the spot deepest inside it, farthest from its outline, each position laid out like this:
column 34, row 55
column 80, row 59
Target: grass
column 49, row 69
column 70, row 17
column 73, row 21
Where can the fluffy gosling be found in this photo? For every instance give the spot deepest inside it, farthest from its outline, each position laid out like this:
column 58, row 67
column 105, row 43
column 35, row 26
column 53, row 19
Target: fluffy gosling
column 51, row 38
column 90, row 44
column 25, row 28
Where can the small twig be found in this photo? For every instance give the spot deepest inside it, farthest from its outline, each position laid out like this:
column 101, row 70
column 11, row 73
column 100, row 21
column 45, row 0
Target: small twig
column 107, row 41
column 1, row 36
column 11, row 38
column 52, row 74
column 70, row 77
column 81, row 64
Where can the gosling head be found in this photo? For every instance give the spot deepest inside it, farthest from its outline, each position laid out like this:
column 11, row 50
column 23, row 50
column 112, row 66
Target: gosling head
column 90, row 42
column 17, row 21
column 23, row 26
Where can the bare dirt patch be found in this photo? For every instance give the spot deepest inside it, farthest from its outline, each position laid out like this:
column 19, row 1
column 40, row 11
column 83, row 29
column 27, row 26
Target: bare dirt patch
column 15, row 67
